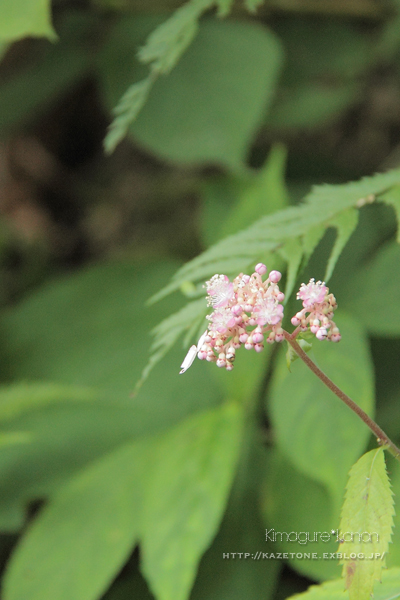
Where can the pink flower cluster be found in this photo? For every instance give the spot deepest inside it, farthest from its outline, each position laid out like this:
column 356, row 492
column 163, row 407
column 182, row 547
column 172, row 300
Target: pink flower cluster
column 248, row 311
column 239, row 305
column 320, row 306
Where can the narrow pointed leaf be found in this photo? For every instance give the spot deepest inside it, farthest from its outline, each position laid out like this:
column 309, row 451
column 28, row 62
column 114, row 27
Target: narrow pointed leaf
column 374, row 294
column 292, row 252
column 126, row 112
column 366, row 524
column 169, row 330
column 345, row 223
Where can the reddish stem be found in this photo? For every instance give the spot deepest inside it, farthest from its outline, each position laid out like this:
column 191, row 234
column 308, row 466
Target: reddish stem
column 381, row 436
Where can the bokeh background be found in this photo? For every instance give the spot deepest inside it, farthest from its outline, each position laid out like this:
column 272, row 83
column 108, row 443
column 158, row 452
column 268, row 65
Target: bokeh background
column 260, row 107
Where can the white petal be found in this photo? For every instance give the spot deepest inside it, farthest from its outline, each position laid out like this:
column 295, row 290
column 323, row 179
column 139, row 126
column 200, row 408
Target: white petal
column 189, row 358
column 201, row 340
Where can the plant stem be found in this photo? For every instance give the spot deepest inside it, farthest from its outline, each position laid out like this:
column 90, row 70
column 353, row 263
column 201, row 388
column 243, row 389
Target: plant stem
column 381, row 436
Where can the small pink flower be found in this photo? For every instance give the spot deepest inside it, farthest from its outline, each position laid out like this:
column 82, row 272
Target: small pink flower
column 222, row 320
column 312, row 293
column 269, row 312
column 220, row 289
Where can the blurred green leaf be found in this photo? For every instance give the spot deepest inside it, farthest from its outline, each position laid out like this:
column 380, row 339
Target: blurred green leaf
column 294, row 502
column 242, row 530
column 345, row 223
column 324, row 58
column 368, row 508
column 90, row 329
column 21, row 18
column 314, row 429
column 162, row 50
column 20, row 398
column 210, row 105
column 252, row 5
column 265, row 193
column 389, row 589
column 392, row 198
column 325, row 49
column 64, row 436
column 224, row 7
column 309, row 105
column 292, row 252
column 166, row 44
column 82, row 538
column 186, row 498
column 374, row 293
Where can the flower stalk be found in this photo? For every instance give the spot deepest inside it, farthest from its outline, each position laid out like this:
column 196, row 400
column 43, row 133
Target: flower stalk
column 248, row 311
column 381, row 437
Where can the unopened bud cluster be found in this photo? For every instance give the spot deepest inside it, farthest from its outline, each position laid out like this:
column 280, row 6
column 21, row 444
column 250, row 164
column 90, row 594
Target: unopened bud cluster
column 248, row 312
column 317, row 314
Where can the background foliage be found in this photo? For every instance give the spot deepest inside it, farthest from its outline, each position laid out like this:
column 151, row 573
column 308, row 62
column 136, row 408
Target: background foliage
column 217, row 117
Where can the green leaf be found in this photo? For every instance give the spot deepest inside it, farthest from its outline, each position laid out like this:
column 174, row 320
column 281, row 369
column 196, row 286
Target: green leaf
column 345, row 223
column 54, row 438
column 162, row 50
column 166, row 44
column 20, row 398
column 311, row 105
column 252, row 5
column 393, row 559
column 126, row 112
column 334, row 50
column 310, row 241
column 314, row 510
column 229, row 578
column 292, row 252
column 392, row 197
column 265, row 193
column 21, row 18
column 366, row 524
column 17, row 437
column 374, row 294
column 186, row 498
column 389, row 589
column 224, row 7
column 321, row 77
column 319, row 434
column 209, row 107
column 92, row 330
column 168, row 331
column 320, row 206
column 79, row 542
column 293, row 225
